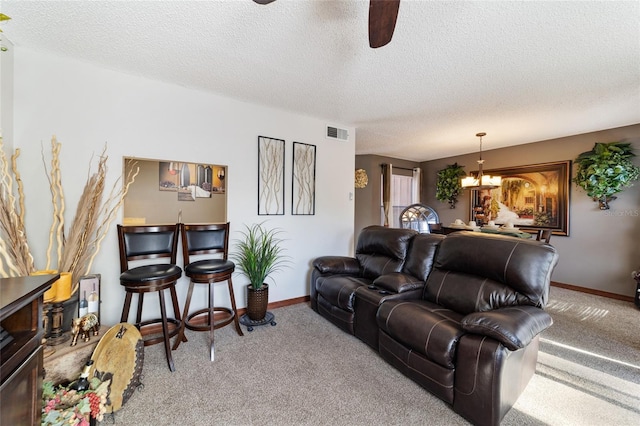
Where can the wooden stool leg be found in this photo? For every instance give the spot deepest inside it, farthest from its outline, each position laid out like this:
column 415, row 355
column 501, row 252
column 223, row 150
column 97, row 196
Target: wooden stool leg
column 165, row 331
column 176, row 308
column 233, row 306
column 139, row 312
column 185, row 313
column 212, row 325
column 126, row 307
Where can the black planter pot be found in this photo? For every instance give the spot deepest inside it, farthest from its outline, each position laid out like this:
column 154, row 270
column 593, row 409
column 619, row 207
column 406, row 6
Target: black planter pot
column 257, row 302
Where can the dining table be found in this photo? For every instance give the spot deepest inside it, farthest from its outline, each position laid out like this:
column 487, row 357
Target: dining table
column 515, row 232
column 504, row 231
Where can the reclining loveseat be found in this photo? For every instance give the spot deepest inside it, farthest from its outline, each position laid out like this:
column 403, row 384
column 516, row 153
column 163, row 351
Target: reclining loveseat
column 459, row 314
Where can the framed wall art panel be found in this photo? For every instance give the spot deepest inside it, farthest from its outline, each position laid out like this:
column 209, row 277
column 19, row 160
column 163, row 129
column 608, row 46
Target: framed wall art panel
column 531, row 197
column 303, row 187
column 270, row 176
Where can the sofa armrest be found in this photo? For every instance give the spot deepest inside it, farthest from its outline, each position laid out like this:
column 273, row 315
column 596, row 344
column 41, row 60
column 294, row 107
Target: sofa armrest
column 513, row 326
column 337, row 265
column 397, row 282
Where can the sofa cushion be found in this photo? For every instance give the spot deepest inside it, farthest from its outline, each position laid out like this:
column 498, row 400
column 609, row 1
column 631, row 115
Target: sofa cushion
column 340, row 290
column 421, row 255
column 480, row 272
column 382, row 250
column 435, row 338
column 466, row 293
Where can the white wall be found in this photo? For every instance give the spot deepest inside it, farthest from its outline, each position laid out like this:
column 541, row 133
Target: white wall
column 86, row 107
column 6, row 95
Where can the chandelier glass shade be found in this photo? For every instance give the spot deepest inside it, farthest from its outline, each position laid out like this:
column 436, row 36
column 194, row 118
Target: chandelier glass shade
column 471, row 182
column 480, row 180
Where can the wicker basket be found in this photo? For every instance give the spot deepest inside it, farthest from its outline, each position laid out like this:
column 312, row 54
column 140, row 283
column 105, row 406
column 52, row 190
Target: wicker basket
column 257, row 302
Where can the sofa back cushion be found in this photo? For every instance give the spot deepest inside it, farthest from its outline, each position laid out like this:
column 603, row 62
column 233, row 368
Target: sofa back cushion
column 476, row 272
column 421, row 255
column 382, row 250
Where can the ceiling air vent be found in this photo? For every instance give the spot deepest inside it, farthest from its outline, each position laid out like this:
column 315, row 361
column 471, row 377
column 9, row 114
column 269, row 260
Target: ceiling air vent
column 335, row 133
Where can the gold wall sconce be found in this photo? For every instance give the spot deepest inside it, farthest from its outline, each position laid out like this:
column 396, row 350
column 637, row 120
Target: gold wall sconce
column 361, row 178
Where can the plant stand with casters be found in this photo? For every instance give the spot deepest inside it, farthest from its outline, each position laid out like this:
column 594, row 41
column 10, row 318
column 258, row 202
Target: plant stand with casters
column 268, row 319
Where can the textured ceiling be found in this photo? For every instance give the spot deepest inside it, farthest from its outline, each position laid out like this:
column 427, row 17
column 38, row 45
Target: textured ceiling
column 522, row 71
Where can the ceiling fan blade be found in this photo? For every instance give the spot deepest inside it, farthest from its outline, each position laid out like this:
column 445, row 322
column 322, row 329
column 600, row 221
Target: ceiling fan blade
column 263, row 1
column 382, row 21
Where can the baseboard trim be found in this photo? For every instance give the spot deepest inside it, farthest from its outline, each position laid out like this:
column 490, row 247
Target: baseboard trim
column 282, row 303
column 593, row 291
column 157, row 328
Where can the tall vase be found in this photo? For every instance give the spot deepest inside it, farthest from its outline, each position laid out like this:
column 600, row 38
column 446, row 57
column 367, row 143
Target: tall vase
column 50, row 294
column 257, row 302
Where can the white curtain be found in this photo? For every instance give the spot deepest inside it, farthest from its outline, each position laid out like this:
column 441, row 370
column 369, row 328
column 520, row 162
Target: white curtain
column 387, row 187
column 416, row 185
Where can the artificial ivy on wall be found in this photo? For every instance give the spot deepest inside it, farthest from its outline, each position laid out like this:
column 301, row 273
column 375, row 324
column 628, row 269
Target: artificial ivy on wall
column 606, row 170
column 448, row 185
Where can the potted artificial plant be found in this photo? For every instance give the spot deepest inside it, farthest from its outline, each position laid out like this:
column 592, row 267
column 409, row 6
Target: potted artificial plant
column 448, row 185
column 259, row 253
column 606, row 170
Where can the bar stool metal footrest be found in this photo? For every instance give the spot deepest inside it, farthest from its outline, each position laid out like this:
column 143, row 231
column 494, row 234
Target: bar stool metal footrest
column 191, row 324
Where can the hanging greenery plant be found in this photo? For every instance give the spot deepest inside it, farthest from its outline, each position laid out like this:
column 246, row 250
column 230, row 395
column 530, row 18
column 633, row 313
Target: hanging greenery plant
column 606, row 170
column 448, row 185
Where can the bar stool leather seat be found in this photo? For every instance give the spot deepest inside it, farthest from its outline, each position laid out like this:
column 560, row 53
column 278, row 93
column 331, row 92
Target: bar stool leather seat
column 150, row 274
column 210, row 267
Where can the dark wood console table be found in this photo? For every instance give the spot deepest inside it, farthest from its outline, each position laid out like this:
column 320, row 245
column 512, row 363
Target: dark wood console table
column 21, row 363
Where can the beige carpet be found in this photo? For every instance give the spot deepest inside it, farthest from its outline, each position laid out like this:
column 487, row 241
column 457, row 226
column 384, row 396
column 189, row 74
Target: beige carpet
column 305, row 371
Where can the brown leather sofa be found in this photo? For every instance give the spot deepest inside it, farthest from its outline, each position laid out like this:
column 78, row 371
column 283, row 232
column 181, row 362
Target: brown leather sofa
column 459, row 314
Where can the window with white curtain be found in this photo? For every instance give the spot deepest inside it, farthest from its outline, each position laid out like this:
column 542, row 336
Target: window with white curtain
column 405, row 190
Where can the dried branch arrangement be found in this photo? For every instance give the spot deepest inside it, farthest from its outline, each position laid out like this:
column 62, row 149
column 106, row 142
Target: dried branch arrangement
column 15, row 255
column 76, row 251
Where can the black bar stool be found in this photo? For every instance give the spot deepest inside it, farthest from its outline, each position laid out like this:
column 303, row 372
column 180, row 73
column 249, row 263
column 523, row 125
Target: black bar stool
column 151, row 242
column 203, row 239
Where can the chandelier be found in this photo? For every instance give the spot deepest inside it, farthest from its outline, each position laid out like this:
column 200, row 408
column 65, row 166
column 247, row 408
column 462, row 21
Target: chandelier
column 481, row 181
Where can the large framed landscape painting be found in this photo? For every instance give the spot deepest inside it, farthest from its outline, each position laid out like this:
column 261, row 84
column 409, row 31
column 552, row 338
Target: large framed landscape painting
column 531, row 197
